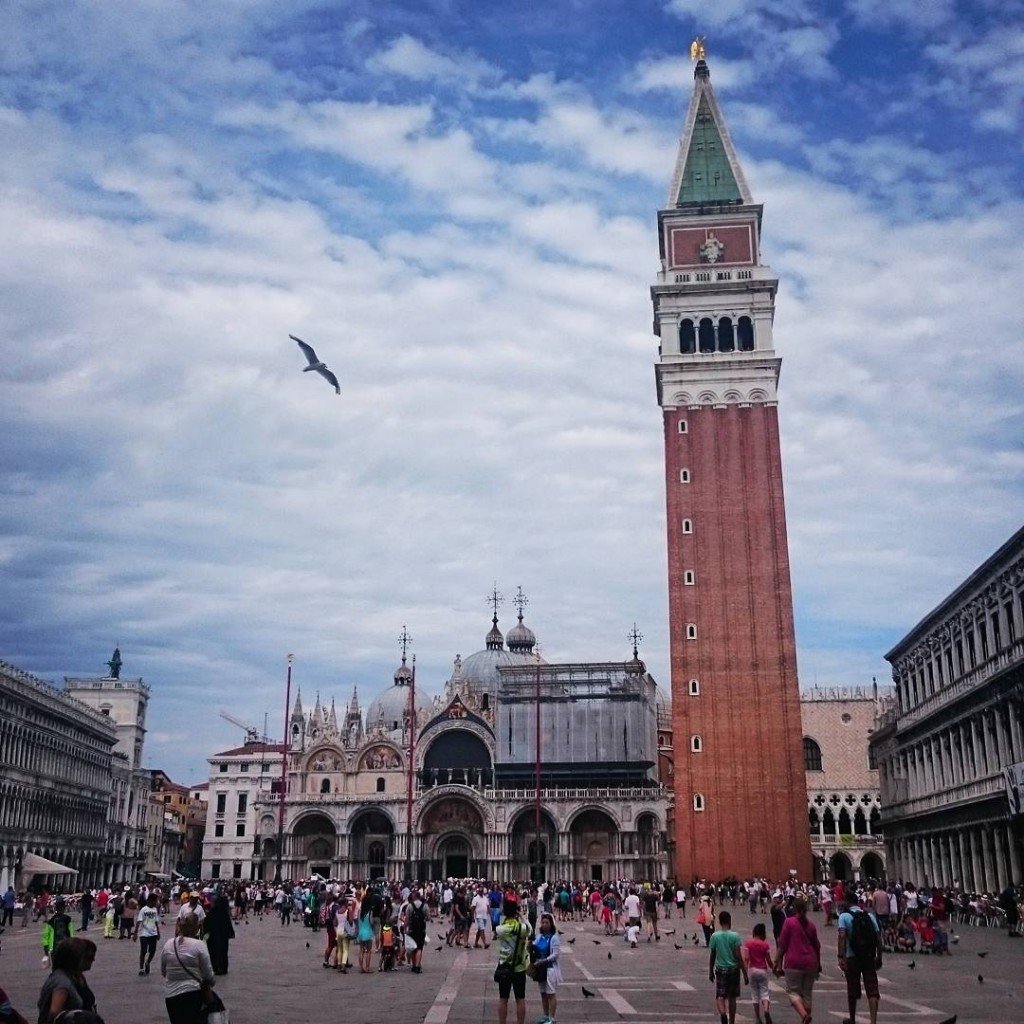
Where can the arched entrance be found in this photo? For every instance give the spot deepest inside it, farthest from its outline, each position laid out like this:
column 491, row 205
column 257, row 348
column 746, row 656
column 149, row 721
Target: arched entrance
column 594, row 839
column 371, row 843
column 525, row 857
column 457, row 757
column 315, row 841
column 840, row 868
column 871, row 868
column 453, row 828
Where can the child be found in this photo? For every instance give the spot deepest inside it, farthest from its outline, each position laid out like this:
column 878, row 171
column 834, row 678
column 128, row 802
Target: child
column 387, row 948
column 907, row 936
column 632, row 935
column 757, row 956
column 926, row 930
column 606, row 914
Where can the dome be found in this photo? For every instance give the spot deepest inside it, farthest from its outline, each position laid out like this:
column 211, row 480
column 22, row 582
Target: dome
column 393, row 703
column 520, row 638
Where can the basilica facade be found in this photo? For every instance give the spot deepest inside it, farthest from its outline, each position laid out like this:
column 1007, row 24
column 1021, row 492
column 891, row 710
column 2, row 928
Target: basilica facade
column 474, row 758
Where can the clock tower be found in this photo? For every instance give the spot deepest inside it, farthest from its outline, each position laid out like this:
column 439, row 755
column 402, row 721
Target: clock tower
column 740, row 790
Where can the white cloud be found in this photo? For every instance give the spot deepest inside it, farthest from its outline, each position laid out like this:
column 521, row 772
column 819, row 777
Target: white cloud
column 410, row 58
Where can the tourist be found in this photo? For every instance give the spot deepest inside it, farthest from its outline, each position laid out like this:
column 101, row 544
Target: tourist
column 416, row 928
column 546, row 971
column 631, row 908
column 513, row 955
column 331, row 928
column 219, row 932
column 57, row 928
column 650, row 901
column 347, row 928
column 192, row 908
column 147, row 932
column 798, row 956
column 725, row 964
column 59, row 991
column 481, row 909
column 860, row 957
column 705, row 918
column 1011, row 911
column 681, row 900
column 188, row 973
column 365, row 935
column 85, row 953
column 757, row 956
column 8, row 900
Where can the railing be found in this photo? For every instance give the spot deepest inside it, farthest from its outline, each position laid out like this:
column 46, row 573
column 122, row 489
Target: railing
column 54, row 695
column 1004, row 659
column 512, row 795
column 954, row 795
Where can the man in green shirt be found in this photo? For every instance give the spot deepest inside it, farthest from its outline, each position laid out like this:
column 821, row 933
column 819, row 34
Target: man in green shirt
column 725, row 966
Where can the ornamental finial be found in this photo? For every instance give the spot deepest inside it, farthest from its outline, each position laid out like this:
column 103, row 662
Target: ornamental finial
column 698, row 50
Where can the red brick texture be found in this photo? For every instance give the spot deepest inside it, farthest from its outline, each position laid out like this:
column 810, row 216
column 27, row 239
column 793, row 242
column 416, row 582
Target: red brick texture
column 747, row 715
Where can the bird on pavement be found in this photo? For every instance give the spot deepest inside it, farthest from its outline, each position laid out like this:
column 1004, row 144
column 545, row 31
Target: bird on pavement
column 949, row 1020
column 983, row 955
column 307, row 945
column 571, row 941
column 911, row 965
column 676, row 944
column 316, row 363
column 596, row 942
column 980, row 979
column 587, row 994
column 609, row 954
column 669, row 932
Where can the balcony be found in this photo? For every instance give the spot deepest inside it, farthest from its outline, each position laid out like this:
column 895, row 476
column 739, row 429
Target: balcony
column 979, row 789
column 1004, row 659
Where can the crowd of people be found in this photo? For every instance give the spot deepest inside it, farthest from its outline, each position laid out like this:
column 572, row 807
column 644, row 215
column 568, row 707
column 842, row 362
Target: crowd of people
column 383, row 926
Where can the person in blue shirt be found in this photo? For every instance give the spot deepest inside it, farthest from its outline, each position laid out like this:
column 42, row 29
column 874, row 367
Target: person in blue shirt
column 860, row 956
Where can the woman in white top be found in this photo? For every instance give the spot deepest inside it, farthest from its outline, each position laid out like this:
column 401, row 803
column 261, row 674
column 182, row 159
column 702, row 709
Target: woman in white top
column 185, row 965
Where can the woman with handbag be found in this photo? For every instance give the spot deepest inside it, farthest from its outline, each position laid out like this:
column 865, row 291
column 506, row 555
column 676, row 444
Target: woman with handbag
column 544, row 969
column 188, row 975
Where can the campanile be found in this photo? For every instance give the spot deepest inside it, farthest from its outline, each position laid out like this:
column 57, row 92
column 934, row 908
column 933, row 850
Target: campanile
column 740, row 791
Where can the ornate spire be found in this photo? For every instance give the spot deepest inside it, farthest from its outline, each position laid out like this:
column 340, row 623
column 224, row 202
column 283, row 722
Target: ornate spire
column 353, row 704
column 332, row 718
column 520, row 637
column 297, row 708
column 403, row 674
column 494, row 640
column 636, row 665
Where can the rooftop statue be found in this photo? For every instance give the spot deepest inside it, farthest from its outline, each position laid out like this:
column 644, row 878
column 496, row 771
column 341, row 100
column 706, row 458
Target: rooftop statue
column 697, row 50
column 115, row 664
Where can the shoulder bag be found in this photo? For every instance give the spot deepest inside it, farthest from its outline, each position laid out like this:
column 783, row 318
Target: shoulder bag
column 506, row 969
column 213, row 1006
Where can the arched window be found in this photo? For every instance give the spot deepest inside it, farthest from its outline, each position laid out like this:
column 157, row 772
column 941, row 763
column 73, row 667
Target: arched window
column 696, row 745
column 687, row 526
column 726, row 335
column 687, row 337
column 706, row 335
column 828, row 822
column 694, row 687
column 691, row 631
column 812, row 755
column 845, row 825
column 860, row 823
column 380, row 785
column 813, row 822
column 325, row 786
column 698, row 801
column 745, row 329
column 875, row 820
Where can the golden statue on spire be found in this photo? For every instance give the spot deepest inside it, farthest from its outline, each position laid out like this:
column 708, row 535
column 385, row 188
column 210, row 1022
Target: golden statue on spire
column 697, row 50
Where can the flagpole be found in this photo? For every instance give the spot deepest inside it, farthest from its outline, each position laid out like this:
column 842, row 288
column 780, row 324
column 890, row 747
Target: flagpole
column 411, row 774
column 284, row 771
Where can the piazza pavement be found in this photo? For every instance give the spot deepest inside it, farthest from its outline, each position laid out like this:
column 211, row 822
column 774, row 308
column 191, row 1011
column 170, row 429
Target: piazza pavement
column 274, row 978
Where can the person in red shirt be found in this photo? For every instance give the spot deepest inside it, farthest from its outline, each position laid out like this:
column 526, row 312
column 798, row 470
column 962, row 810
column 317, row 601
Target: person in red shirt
column 757, row 955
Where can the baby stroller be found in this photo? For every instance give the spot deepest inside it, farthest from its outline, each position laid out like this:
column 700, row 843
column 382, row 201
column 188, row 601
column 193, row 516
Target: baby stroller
column 387, row 948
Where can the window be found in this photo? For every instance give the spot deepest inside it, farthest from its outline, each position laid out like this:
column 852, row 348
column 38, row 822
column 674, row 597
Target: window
column 243, row 802
column 325, row 786
column 745, row 333
column 215, row 870
column 812, row 755
column 236, row 870
column 380, row 785
column 687, row 337
column 105, row 711
column 696, row 745
column 698, row 801
column 244, row 766
column 684, row 476
column 872, row 760
column 706, row 335
column 218, row 829
column 682, row 426
column 222, row 802
column 167, row 798
column 694, row 688
column 222, row 767
column 726, row 335
column 240, row 829
column 687, row 526
column 688, row 578
column 691, row 631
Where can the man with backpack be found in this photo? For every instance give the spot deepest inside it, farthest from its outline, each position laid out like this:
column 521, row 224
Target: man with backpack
column 57, row 928
column 860, row 957
column 416, row 929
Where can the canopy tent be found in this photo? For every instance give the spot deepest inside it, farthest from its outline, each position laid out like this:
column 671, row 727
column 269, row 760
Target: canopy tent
column 158, row 875
column 33, row 864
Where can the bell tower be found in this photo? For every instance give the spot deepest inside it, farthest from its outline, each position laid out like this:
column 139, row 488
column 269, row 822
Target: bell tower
column 740, row 791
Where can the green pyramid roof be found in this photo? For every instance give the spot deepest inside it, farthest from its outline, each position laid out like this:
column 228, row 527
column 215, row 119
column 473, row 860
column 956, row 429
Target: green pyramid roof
column 707, row 174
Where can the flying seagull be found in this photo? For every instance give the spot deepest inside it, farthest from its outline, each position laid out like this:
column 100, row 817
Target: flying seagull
column 315, row 363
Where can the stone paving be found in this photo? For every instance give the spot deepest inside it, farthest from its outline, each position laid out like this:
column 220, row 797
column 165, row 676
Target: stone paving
column 275, row 978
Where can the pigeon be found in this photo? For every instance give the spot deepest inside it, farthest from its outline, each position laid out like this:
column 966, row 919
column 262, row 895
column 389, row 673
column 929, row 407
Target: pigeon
column 609, row 954
column 667, row 932
column 676, row 944
column 955, row 940
column 442, row 938
column 911, row 965
column 696, row 941
column 571, row 941
column 307, row 945
column 437, row 949
column 316, row 363
column 587, row 994
column 983, row 955
column 596, row 942
column 949, row 1020
column 980, row 979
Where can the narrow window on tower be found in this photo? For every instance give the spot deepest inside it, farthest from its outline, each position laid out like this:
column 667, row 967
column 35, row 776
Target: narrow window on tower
column 694, row 688
column 688, row 578
column 682, row 426
column 687, row 526
column 706, row 335
column 691, row 631
column 684, row 476
column 687, row 337
column 698, row 801
column 745, row 330
column 696, row 745
column 726, row 335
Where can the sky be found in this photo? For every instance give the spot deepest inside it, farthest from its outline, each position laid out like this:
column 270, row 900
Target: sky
column 455, row 202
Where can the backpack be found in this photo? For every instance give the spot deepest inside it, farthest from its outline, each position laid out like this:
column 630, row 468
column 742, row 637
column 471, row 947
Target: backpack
column 864, row 938
column 59, row 923
column 417, row 919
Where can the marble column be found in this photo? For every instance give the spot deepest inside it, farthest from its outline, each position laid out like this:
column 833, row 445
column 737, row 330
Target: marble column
column 977, row 764
column 977, row 861
column 1002, row 875
column 1011, row 845
column 986, row 850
